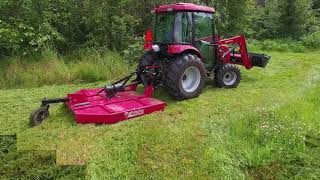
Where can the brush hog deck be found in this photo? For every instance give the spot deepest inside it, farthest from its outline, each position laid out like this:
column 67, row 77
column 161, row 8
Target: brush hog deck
column 90, row 106
column 108, row 105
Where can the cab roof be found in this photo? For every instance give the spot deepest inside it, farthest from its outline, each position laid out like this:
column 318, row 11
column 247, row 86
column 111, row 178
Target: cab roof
column 183, row 7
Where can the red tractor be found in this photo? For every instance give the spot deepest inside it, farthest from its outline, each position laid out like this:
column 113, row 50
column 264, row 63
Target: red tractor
column 182, row 51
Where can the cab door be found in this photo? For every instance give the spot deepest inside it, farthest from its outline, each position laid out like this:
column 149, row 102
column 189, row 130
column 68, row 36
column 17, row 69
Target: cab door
column 183, row 29
column 203, row 40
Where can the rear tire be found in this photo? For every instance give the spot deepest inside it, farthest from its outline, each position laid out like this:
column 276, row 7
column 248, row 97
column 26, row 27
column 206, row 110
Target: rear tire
column 148, row 59
column 185, row 77
column 228, row 76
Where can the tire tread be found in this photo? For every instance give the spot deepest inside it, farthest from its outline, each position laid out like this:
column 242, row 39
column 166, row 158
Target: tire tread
column 174, row 71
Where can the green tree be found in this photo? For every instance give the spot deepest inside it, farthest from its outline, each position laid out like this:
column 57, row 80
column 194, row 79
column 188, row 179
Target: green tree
column 234, row 16
column 316, row 6
column 295, row 17
column 25, row 25
column 287, row 18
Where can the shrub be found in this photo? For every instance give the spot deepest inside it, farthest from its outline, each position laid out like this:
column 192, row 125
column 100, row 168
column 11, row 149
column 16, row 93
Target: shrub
column 134, row 52
column 281, row 45
column 312, row 40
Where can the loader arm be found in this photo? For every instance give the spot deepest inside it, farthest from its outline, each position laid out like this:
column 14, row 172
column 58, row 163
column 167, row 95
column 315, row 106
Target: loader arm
column 226, row 54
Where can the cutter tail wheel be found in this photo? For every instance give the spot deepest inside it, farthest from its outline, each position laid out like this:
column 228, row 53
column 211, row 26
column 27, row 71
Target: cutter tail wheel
column 228, row 76
column 38, row 116
column 186, row 77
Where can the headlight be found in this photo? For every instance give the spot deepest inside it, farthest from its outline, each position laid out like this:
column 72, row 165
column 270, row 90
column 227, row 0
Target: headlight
column 155, row 48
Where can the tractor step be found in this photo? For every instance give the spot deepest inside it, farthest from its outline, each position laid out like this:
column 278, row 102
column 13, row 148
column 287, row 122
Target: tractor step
column 90, row 106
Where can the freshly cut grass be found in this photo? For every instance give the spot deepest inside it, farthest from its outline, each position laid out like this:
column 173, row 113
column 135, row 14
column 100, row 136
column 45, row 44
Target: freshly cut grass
column 48, row 68
column 266, row 128
column 33, row 164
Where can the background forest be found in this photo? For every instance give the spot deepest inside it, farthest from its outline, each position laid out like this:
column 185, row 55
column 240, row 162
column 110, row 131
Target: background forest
column 67, row 25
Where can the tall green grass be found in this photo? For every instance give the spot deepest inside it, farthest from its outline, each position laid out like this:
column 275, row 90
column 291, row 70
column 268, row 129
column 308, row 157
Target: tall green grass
column 49, row 68
column 91, row 65
column 282, row 45
column 307, row 43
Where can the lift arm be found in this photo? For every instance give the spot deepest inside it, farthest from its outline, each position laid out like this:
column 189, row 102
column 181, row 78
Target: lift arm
column 225, row 53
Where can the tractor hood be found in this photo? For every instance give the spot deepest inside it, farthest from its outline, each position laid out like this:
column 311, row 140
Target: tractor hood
column 183, row 7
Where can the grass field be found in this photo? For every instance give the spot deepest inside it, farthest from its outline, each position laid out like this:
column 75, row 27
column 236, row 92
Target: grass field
column 268, row 127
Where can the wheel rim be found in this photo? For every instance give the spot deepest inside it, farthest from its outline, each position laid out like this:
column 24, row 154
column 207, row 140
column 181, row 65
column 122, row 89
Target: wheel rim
column 229, row 78
column 190, row 79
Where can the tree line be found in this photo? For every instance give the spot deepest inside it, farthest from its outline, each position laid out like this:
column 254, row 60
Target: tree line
column 29, row 25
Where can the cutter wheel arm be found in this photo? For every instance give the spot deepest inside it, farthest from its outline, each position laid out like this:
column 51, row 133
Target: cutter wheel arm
column 39, row 115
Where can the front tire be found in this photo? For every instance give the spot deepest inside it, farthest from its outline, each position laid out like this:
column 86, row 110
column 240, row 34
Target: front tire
column 228, row 76
column 185, row 77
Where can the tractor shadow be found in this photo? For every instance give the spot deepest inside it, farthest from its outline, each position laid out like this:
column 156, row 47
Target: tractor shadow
column 248, row 78
column 162, row 93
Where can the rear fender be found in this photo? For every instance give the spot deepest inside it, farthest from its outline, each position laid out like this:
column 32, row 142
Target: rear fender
column 184, row 49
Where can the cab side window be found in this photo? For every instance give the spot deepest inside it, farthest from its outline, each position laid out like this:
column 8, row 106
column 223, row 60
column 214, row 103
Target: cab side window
column 203, row 25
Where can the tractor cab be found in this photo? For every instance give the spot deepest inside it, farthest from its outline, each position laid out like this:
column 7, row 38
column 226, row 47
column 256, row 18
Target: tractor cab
column 185, row 26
